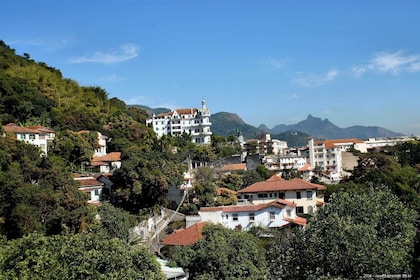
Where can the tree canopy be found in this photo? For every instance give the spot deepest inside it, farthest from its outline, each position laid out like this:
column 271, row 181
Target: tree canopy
column 356, row 233
column 80, row 256
column 223, row 254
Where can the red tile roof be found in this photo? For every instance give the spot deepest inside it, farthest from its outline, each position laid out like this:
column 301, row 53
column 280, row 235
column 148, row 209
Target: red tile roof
column 306, row 167
column 19, row 129
column 332, row 143
column 279, row 203
column 298, row 220
column 274, row 178
column 187, row 236
column 41, row 128
column 114, row 156
column 281, row 185
column 234, row 167
column 187, row 111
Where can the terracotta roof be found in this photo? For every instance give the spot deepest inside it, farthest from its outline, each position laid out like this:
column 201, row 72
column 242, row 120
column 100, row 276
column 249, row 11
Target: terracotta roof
column 298, row 221
column 279, row 203
column 334, row 142
column 281, row 185
column 19, row 129
column 234, row 167
column 306, row 167
column 274, row 178
column 114, row 156
column 88, row 182
column 187, row 236
column 41, row 128
column 187, row 111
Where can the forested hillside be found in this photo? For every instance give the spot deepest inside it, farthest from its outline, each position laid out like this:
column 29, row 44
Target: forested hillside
column 48, row 230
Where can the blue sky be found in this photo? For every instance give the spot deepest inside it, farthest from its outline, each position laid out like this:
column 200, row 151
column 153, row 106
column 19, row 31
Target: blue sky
column 270, row 62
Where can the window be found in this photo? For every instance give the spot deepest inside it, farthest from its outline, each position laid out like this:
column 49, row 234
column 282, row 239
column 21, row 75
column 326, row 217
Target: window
column 21, row 136
column 298, row 196
column 299, row 210
column 31, row 136
column 262, row 195
column 288, row 213
column 310, row 210
column 281, row 195
column 96, row 192
column 251, row 217
column 235, row 217
column 272, row 216
column 309, row 195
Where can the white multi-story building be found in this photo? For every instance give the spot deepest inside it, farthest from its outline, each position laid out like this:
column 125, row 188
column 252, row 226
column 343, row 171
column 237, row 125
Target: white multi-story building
column 36, row 135
column 191, row 121
column 328, row 154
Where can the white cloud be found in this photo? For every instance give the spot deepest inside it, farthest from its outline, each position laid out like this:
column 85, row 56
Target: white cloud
column 273, row 63
column 113, row 78
column 386, row 62
column 311, row 80
column 123, row 53
column 293, row 96
column 51, row 44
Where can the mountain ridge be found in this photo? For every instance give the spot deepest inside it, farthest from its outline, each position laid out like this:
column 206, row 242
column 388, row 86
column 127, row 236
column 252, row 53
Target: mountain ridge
column 225, row 124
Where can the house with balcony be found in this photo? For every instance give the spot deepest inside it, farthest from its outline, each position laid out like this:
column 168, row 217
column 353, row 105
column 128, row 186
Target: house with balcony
column 328, row 155
column 191, row 121
column 305, row 195
column 277, row 214
column 39, row 136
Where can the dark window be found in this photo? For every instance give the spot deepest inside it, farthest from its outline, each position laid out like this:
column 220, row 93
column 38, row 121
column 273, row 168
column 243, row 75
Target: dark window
column 281, row 195
column 298, row 196
column 235, row 217
column 299, row 210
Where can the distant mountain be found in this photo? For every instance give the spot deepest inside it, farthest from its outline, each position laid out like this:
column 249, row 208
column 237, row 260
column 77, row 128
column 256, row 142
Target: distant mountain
column 226, row 124
column 152, row 111
column 324, row 129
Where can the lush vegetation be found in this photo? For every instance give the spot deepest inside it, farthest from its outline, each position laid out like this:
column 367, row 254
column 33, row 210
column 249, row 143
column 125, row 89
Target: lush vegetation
column 223, row 254
column 50, row 232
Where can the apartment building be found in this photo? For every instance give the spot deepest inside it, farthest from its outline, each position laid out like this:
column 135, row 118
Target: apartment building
column 328, row 154
column 192, row 121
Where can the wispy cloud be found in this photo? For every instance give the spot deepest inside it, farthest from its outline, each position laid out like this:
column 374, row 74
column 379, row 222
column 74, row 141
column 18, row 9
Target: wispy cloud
column 113, row 78
column 49, row 44
column 123, row 53
column 293, row 96
column 312, row 80
column 273, row 63
column 385, row 62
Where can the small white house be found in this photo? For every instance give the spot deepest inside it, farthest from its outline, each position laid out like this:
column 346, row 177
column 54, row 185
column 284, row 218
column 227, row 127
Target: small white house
column 274, row 215
column 36, row 135
column 92, row 187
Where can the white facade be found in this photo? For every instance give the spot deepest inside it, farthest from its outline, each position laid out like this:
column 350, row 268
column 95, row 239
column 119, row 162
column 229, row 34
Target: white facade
column 92, row 187
column 35, row 135
column 328, row 154
column 272, row 215
column 280, row 162
column 372, row 143
column 306, row 196
column 192, row 121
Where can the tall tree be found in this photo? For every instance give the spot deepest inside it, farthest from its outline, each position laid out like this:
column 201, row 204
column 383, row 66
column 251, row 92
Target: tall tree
column 223, row 254
column 358, row 233
column 80, row 256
